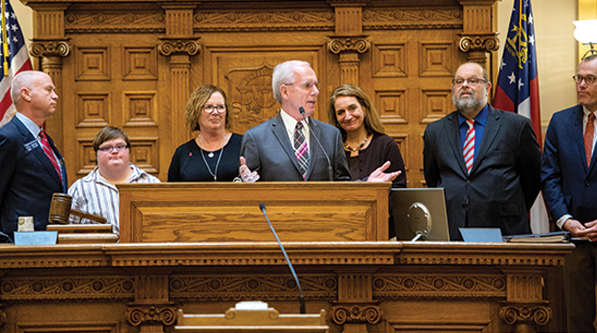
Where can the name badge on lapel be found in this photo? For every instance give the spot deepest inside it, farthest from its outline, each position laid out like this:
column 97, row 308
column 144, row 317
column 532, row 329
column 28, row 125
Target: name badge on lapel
column 29, row 146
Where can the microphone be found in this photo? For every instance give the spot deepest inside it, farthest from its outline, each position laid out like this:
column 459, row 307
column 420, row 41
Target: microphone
column 330, row 170
column 302, row 298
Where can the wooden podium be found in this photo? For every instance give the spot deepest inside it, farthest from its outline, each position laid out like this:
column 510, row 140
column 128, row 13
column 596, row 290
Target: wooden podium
column 229, row 212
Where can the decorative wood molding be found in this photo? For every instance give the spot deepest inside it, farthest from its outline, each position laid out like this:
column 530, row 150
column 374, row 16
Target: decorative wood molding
column 262, row 287
column 481, row 42
column 52, row 48
column 189, row 47
column 526, row 314
column 67, row 288
column 151, row 315
column 339, row 44
column 287, row 20
column 356, row 313
column 484, row 255
column 439, row 285
column 106, row 22
column 412, row 18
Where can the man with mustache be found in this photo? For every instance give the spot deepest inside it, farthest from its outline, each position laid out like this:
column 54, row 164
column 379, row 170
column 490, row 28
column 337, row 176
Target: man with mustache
column 569, row 178
column 487, row 160
column 31, row 167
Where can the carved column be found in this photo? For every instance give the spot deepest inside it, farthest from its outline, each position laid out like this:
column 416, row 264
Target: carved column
column 50, row 44
column 525, row 307
column 179, row 44
column 348, row 49
column 478, row 37
column 355, row 307
column 348, row 41
column 151, row 309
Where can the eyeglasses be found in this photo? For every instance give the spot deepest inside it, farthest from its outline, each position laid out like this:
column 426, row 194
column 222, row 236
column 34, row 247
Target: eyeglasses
column 109, row 149
column 307, row 85
column 588, row 79
column 471, row 82
column 220, row 108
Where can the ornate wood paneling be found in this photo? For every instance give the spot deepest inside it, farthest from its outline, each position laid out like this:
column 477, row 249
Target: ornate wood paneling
column 133, row 64
column 363, row 286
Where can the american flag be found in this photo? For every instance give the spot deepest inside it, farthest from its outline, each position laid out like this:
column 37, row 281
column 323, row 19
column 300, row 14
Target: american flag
column 518, row 85
column 17, row 60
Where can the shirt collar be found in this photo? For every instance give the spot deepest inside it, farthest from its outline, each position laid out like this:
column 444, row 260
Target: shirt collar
column 480, row 118
column 288, row 121
column 31, row 126
column 586, row 112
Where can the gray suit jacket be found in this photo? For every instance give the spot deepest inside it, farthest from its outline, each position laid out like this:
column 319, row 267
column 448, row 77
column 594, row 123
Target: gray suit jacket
column 505, row 178
column 267, row 150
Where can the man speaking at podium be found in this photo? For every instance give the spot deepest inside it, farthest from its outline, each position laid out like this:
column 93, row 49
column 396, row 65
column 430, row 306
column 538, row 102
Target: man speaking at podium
column 292, row 146
column 31, row 167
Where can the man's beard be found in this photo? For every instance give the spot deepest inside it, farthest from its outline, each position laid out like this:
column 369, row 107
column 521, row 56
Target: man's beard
column 469, row 105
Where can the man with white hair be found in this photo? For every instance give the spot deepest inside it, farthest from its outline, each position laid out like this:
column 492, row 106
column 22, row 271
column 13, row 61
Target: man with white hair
column 292, row 146
column 487, row 160
column 31, row 167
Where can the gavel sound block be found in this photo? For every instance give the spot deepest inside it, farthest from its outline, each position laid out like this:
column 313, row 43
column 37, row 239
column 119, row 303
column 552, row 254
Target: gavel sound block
column 60, row 211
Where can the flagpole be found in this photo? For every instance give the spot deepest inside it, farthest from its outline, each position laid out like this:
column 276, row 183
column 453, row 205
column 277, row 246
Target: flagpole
column 5, row 52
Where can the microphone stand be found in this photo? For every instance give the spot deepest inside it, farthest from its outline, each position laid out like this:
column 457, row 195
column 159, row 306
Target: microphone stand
column 330, row 170
column 302, row 298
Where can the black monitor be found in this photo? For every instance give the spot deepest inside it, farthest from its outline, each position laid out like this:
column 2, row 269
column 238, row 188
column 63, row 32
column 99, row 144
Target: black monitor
column 420, row 213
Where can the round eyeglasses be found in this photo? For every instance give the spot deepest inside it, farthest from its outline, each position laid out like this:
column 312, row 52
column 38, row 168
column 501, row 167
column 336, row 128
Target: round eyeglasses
column 220, row 108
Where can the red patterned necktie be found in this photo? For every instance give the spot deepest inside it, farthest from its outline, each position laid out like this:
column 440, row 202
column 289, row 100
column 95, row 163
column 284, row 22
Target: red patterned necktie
column 48, row 150
column 469, row 145
column 588, row 137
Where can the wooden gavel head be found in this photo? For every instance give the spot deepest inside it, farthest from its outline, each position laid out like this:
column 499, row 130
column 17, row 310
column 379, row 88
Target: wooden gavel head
column 60, row 210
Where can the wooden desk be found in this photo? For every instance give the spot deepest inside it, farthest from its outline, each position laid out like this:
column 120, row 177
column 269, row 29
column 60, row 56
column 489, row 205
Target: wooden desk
column 229, row 212
column 364, row 286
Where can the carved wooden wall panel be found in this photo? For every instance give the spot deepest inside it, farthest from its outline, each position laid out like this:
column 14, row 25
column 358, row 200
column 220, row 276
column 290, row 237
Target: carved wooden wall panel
column 134, row 64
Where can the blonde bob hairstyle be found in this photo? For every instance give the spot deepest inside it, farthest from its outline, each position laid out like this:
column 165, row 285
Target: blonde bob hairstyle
column 195, row 104
column 372, row 122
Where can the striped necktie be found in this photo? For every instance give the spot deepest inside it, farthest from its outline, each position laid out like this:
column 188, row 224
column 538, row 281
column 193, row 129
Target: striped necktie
column 468, row 151
column 48, row 150
column 301, row 149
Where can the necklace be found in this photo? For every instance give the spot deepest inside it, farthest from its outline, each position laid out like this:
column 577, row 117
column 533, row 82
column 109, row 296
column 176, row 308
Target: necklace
column 347, row 147
column 211, row 153
column 213, row 174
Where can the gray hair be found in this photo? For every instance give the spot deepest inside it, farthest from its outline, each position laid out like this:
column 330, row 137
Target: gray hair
column 284, row 73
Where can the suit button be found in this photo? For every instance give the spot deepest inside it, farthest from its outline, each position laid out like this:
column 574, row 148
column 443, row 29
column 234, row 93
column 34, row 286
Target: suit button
column 587, row 184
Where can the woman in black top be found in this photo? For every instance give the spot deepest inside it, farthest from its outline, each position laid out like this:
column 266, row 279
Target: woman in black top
column 366, row 145
column 214, row 154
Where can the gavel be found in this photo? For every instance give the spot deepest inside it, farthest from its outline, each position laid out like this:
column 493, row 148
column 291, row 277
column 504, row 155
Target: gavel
column 60, row 210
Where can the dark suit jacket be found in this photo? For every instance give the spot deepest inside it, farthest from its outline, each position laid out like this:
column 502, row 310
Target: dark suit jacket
column 28, row 178
column 569, row 186
column 504, row 181
column 267, row 150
